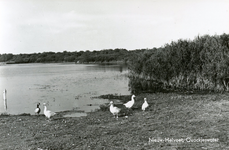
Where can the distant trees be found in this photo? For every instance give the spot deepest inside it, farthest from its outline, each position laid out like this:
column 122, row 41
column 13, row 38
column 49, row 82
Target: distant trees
column 201, row 64
column 80, row 57
column 6, row 57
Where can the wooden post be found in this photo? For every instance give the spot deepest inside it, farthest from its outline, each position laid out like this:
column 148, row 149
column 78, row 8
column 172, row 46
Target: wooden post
column 5, row 99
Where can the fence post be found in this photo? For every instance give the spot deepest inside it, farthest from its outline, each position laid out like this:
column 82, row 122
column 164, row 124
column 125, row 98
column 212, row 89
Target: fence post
column 5, row 99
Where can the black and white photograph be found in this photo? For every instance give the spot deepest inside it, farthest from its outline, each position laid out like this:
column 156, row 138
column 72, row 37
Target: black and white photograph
column 114, row 74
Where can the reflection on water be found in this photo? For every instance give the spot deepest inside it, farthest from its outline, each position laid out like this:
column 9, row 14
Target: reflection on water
column 138, row 85
column 108, row 67
column 61, row 86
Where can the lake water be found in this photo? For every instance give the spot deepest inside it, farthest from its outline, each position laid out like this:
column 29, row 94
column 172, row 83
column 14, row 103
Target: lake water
column 62, row 86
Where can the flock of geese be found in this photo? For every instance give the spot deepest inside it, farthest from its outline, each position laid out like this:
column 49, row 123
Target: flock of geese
column 113, row 109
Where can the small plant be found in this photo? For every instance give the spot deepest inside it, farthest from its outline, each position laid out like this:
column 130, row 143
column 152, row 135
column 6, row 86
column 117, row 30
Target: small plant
column 104, row 107
column 4, row 114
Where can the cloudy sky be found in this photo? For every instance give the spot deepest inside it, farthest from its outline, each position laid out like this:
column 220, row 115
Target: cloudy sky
column 32, row 26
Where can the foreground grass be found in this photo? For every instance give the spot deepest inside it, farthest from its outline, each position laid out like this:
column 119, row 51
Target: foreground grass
column 170, row 116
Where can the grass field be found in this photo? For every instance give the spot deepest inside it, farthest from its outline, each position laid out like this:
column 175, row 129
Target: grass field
column 172, row 122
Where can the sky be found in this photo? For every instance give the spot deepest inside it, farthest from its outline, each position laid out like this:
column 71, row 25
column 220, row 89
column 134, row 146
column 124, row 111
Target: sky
column 33, row 26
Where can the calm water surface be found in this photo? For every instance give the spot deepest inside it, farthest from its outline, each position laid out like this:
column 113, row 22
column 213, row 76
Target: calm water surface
column 62, row 86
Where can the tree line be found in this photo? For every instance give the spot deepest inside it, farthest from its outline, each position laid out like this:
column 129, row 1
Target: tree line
column 108, row 55
column 199, row 64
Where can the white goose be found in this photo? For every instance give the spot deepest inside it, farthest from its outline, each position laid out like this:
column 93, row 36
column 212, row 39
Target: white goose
column 114, row 110
column 37, row 110
column 130, row 103
column 145, row 105
column 48, row 113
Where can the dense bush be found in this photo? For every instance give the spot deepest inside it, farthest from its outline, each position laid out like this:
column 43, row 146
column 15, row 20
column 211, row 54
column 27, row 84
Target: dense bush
column 201, row 64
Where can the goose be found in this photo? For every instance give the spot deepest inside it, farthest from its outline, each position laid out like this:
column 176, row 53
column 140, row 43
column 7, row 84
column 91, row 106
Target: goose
column 145, row 105
column 114, row 110
column 130, row 103
column 48, row 113
column 37, row 110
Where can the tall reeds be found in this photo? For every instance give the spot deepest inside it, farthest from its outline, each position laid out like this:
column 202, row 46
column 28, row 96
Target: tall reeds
column 201, row 64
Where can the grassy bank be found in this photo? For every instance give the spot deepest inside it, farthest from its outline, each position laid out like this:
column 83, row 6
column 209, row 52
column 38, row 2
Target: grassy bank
column 170, row 116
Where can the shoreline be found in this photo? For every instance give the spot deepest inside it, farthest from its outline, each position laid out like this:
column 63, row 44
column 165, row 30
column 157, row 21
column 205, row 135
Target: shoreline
column 123, row 98
column 170, row 116
column 102, row 63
